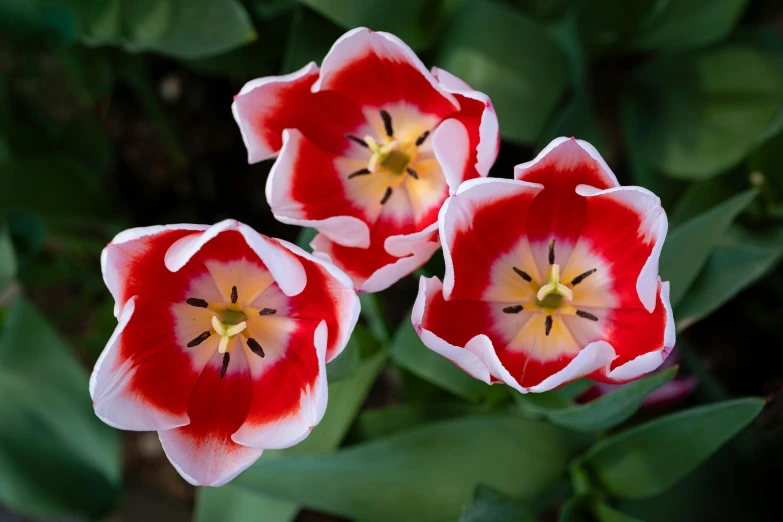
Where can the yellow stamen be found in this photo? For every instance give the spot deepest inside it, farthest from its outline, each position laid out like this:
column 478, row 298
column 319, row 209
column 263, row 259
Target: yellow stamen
column 226, row 332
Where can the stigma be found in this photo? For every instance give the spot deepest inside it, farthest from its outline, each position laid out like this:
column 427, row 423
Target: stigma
column 226, row 332
column 553, row 289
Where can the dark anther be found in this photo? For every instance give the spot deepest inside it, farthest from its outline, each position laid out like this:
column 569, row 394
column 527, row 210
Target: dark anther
column 581, row 277
column 192, row 301
column 548, row 324
column 586, row 315
column 267, row 311
column 421, row 138
column 513, row 309
column 198, row 340
column 357, row 140
column 362, row 172
column 386, row 195
column 226, row 359
column 413, row 173
column 234, row 295
column 524, row 275
column 255, row 347
column 387, row 123
column 552, row 252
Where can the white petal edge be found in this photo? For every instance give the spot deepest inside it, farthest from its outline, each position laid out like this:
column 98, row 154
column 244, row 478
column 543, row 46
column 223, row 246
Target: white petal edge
column 451, row 146
column 654, row 226
column 112, row 404
column 349, row 312
column 462, row 205
column 479, row 359
column 520, row 169
column 256, row 151
column 345, row 230
column 111, row 276
column 295, row 428
column 489, row 130
column 170, row 443
column 343, row 51
column 404, row 245
column 285, row 268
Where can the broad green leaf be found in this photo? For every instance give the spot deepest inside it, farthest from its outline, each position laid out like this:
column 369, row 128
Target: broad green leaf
column 385, row 421
column 415, row 22
column 555, row 399
column 182, row 28
column 650, row 458
column 424, row 474
column 488, row 45
column 372, row 312
column 606, row 513
column 53, row 20
column 56, row 457
column 7, row 258
column 345, row 365
column 489, row 505
column 408, row 351
column 608, row 411
column 689, row 245
column 732, row 266
column 238, row 504
column 605, row 24
column 676, row 25
column 701, row 113
column 305, row 237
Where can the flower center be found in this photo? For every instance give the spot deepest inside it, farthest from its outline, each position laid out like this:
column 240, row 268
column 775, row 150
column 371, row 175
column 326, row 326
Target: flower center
column 392, row 155
column 553, row 292
column 229, row 321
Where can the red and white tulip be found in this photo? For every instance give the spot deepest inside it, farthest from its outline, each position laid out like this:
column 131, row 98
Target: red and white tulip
column 222, row 343
column 368, row 148
column 551, row 276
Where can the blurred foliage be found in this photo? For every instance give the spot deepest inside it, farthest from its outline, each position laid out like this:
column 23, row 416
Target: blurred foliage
column 116, row 113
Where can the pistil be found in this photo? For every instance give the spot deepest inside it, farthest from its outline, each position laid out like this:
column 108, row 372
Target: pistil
column 553, row 291
column 226, row 332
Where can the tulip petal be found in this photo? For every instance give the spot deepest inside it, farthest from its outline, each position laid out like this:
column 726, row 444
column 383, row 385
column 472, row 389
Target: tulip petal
column 139, row 252
column 626, row 225
column 329, row 296
column 284, row 266
column 266, row 106
column 375, row 69
column 203, row 451
column 559, row 212
column 306, row 189
column 144, row 377
column 478, row 224
column 478, row 116
column 289, row 383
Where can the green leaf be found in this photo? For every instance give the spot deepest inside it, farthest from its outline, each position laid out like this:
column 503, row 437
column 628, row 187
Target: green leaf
column 33, row 20
column 345, row 365
column 309, row 39
column 488, row 46
column 606, row 513
column 408, row 351
column 689, row 245
column 372, row 312
column 237, row 504
column 733, row 266
column 56, row 457
column 425, row 474
column 415, row 22
column 490, row 505
column 7, row 258
column 699, row 114
column 608, row 411
column 648, row 459
column 175, row 27
column 385, row 421
column 676, row 25
column 306, row 235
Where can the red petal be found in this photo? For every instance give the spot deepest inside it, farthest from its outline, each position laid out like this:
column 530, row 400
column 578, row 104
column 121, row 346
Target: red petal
column 132, row 264
column 478, row 116
column 558, row 213
column 374, row 269
column 266, row 106
column 305, row 188
column 203, row 451
column 144, row 377
column 374, row 69
column 329, row 296
column 485, row 219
